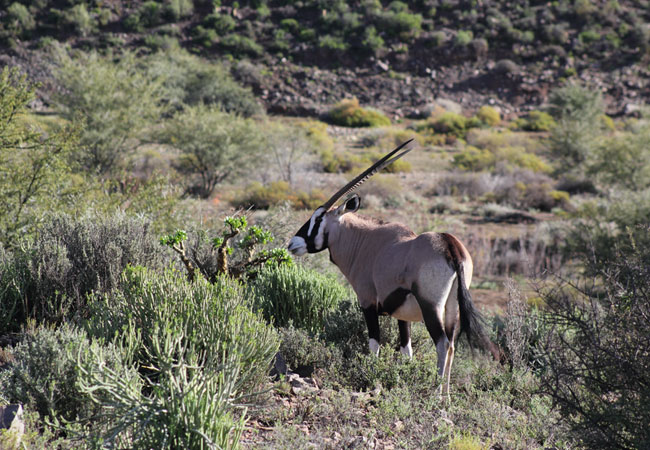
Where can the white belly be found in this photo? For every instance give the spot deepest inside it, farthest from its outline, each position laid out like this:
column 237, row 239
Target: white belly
column 409, row 311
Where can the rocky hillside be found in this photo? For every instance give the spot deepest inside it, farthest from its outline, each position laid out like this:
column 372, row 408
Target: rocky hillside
column 399, row 56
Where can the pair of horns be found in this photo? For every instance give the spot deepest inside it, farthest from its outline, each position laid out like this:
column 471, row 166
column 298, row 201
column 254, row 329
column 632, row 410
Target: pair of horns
column 370, row 171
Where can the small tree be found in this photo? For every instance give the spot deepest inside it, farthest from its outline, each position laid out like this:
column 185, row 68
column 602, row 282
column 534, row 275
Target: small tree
column 33, row 169
column 214, row 146
column 577, row 110
column 216, row 260
column 287, row 147
column 113, row 97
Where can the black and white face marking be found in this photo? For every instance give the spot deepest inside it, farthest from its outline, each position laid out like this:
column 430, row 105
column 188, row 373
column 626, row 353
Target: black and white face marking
column 312, row 237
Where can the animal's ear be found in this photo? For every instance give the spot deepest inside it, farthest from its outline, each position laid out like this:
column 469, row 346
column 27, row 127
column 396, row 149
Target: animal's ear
column 351, row 205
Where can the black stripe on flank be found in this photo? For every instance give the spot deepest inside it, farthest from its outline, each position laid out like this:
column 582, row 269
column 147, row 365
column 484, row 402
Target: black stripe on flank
column 392, row 303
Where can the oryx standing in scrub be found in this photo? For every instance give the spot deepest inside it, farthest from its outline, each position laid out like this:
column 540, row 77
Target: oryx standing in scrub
column 395, row 272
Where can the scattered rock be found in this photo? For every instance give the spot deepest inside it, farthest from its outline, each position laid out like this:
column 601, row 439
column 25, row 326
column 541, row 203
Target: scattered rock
column 11, row 420
column 279, row 366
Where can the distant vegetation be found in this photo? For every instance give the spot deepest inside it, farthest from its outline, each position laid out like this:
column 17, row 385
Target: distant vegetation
column 314, row 31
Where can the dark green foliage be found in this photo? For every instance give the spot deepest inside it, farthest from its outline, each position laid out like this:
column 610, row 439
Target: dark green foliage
column 48, row 278
column 240, row 45
column 596, row 354
column 178, row 9
column 151, row 13
column 305, row 353
column 19, row 20
column 220, row 23
column 293, row 295
column 390, row 370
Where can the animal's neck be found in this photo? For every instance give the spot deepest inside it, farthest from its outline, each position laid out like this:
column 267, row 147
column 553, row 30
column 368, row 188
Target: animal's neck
column 350, row 249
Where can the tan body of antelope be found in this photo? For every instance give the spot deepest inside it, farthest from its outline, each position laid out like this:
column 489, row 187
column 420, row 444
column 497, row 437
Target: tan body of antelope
column 395, row 272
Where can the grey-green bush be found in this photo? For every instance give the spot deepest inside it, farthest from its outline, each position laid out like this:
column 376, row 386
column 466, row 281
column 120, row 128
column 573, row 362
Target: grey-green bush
column 43, row 375
column 191, row 80
column 48, row 278
column 293, row 295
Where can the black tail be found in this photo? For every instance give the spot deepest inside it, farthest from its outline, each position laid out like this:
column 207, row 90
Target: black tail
column 471, row 321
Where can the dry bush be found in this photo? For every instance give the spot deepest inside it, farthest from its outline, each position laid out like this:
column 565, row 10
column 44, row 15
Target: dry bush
column 472, row 185
column 386, row 187
column 529, row 254
column 517, row 334
column 265, row 196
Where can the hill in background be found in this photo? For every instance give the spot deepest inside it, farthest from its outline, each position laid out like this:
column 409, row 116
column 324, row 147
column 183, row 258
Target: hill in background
column 301, row 56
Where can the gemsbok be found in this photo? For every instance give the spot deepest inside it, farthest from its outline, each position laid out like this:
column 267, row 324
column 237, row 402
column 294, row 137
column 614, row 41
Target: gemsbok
column 395, row 272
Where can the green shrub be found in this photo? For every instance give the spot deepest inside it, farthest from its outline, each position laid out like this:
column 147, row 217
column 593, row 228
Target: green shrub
column 536, row 121
column 43, row 375
column 290, row 25
column 19, row 19
column 402, row 24
column 178, row 9
column 335, row 43
column 241, row 45
column 221, row 23
column 489, row 115
column 293, row 295
column 203, row 352
column 208, row 319
column 278, row 192
column 48, row 279
column 372, row 41
column 190, row 80
column 474, row 159
column 588, row 37
column 132, row 22
column 348, row 113
column 305, row 353
column 595, row 352
column 450, row 123
column 623, row 160
column 463, row 38
column 150, row 13
column 79, row 19
column 390, row 370
column 213, row 145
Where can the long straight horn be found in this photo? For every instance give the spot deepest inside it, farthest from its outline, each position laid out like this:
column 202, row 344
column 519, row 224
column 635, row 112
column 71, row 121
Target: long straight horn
column 370, row 171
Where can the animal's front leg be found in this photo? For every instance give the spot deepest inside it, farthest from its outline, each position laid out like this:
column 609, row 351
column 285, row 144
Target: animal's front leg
column 405, row 338
column 372, row 320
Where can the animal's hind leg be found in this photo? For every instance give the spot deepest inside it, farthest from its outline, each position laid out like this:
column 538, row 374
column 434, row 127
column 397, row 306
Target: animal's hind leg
column 405, row 338
column 450, row 360
column 433, row 321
